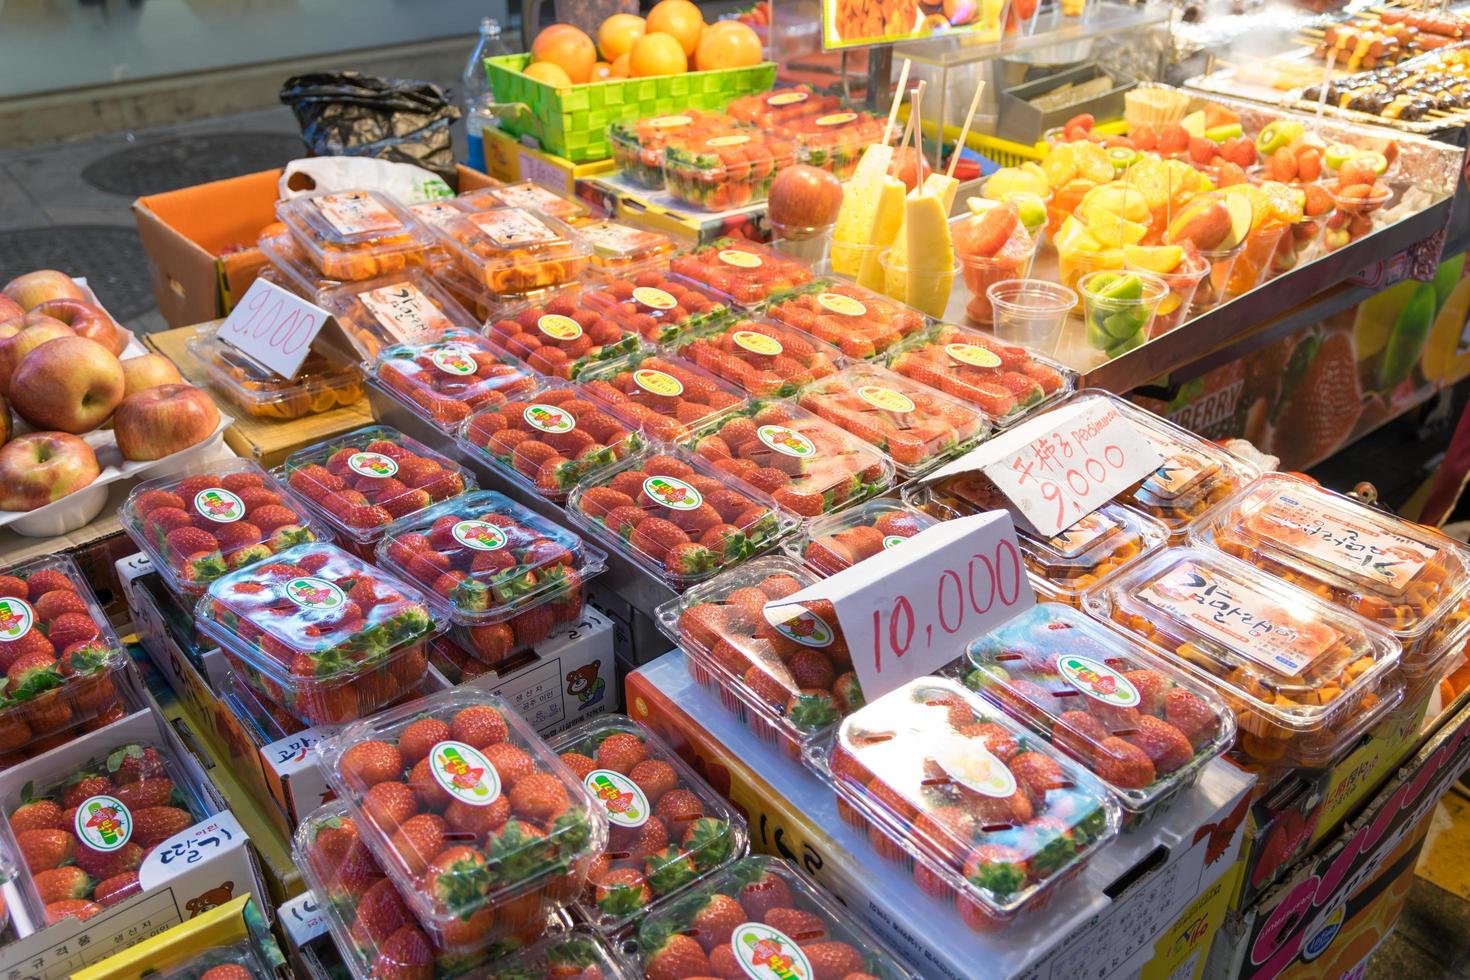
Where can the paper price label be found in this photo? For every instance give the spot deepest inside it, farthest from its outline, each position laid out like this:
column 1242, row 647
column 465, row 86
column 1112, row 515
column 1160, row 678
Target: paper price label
column 273, row 327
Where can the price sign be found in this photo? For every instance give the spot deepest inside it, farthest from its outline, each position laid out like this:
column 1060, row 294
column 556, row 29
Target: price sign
column 911, row 611
column 273, row 327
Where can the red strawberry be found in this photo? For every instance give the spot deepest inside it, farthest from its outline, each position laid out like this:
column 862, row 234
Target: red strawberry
column 511, row 762
column 1078, row 734
column 678, row 809
column 367, row 763
column 380, row 913
column 538, row 796
column 767, row 892
column 42, row 849
column 533, row 625
column 801, row 925
column 715, row 921
column 1165, row 745
column 654, row 537
column 158, row 823
column 144, row 793
column 85, row 787
column 1037, row 775
column 118, row 887
column 57, row 602
column 49, row 580
column 1189, row 713
column 389, row 804
column 477, row 820
column 415, row 741
column 71, row 628
column 1152, row 688
column 833, row 960
column 426, row 788
column 580, row 765
column 33, row 642
column 479, row 725
column 418, row 840
column 151, row 500
column 103, row 865
column 406, row 955
column 677, row 958
column 71, row 908
column 13, row 587
column 37, row 815
column 655, row 777
column 1122, row 763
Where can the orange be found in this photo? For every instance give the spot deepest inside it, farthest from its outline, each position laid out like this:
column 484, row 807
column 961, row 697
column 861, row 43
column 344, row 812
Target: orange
column 601, row 72
column 656, row 53
column 617, row 34
column 727, row 44
column 546, row 71
column 568, row 48
column 679, row 18
column 620, row 66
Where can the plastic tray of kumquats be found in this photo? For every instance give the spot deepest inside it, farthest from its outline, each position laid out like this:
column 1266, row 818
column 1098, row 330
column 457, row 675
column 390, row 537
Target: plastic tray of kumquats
column 780, row 105
column 529, row 195
column 675, row 517
column 638, row 145
column 720, row 173
column 1300, row 674
column 857, row 321
column 514, row 251
column 297, row 273
column 1411, row 580
column 744, row 273
column 620, row 250
column 1007, row 383
column 561, row 335
column 356, row 234
column 978, row 805
column 1142, row 726
column 578, row 954
column 837, row 542
column 767, row 360
column 405, row 308
column 667, row 829
column 326, row 379
column 474, row 818
column 916, row 426
column 549, row 438
column 444, row 380
column 809, row 466
column 656, row 306
column 662, row 397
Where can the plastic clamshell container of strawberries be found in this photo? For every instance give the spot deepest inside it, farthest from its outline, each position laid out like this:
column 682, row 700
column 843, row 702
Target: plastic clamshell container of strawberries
column 622, row 250
column 297, row 273
column 320, row 632
column 768, row 360
column 220, row 962
column 981, row 806
column 561, row 335
column 1007, row 383
column 355, row 234
column 638, row 146
column 720, row 173
column 744, row 273
column 64, row 658
column 515, row 251
column 662, row 397
column 858, row 321
column 1296, row 670
column 809, row 466
column 326, row 380
column 674, row 516
column 196, row 527
column 446, row 379
column 363, row 481
column 782, row 105
column 789, row 677
column 404, row 308
column 548, row 438
column 916, row 426
column 1407, row 578
column 579, row 954
column 1141, row 726
column 667, row 829
column 837, row 542
column 656, row 306
column 784, row 918
column 482, row 828
column 833, row 141
column 529, row 195
column 83, row 837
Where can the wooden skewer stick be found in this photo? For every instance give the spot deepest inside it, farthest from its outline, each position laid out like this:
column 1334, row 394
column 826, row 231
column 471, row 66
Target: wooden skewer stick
column 965, row 129
column 915, row 113
column 1322, row 90
column 908, row 130
column 903, row 80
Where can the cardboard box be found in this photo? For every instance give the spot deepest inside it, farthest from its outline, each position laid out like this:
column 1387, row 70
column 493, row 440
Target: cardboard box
column 507, row 159
column 1146, row 904
column 231, row 933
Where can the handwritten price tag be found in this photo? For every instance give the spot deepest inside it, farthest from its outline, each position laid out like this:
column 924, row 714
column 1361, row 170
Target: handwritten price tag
column 913, row 610
column 274, row 327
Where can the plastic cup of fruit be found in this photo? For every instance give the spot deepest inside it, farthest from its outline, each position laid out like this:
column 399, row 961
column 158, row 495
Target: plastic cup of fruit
column 1183, row 283
column 848, row 258
column 1254, row 259
column 1030, row 312
column 1351, row 216
column 1211, row 291
column 981, row 272
column 807, row 244
column 1119, row 308
column 928, row 289
column 1073, row 266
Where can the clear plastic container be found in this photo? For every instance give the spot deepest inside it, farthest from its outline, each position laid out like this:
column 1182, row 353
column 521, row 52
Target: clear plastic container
column 858, row 321
column 947, row 783
column 445, row 380
column 356, row 234
column 1007, row 383
column 237, row 961
column 676, row 517
column 531, row 196
column 766, row 359
column 295, row 270
column 502, row 575
column 832, row 141
column 407, row 308
column 1141, row 726
column 326, row 380
column 809, row 466
column 834, row 543
column 638, row 146
column 320, row 632
column 656, row 306
column 667, row 829
column 992, row 247
column 662, row 397
column 1409, row 579
column 742, row 272
column 721, row 173
column 513, row 251
column 213, row 519
column 494, row 833
column 361, row 482
column 620, row 250
column 916, row 426
column 766, row 109
column 549, row 438
column 561, row 335
column 1297, row 671
column 576, row 955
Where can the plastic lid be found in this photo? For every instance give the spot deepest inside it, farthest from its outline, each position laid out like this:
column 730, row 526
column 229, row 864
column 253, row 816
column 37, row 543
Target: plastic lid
column 656, row 306
column 652, row 132
column 744, row 273
column 838, row 541
column 443, row 381
column 649, row 795
column 970, row 794
column 363, row 481
column 515, row 251
column 1270, row 647
column 620, row 248
column 549, row 438
column 295, row 269
column 560, row 335
column 768, row 360
column 326, row 380
column 354, row 234
column 1141, row 726
column 482, row 558
column 579, row 953
column 723, row 172
column 832, row 140
column 809, row 466
column 406, row 308
column 1007, row 383
column 433, row 213
column 914, row 424
column 782, row 104
column 529, row 195
column 663, row 397
column 524, row 827
column 678, row 518
column 197, row 526
column 858, row 321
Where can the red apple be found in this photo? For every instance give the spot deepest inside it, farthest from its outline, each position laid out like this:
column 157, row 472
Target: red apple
column 38, row 468
column 9, row 309
column 71, row 384
column 34, row 288
column 6, row 427
column 158, row 422
column 16, row 347
column 803, row 199
column 910, row 167
column 86, row 319
column 149, row 371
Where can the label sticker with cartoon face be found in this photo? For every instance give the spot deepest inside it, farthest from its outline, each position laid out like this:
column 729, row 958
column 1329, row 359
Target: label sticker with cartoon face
column 765, row 953
column 548, row 418
column 787, row 98
column 479, row 535
column 219, row 505
column 969, row 763
column 840, row 304
column 796, row 622
column 836, row 118
column 372, row 464
column 464, row 773
column 672, row 492
column 669, row 122
column 624, row 800
column 103, row 823
column 733, row 140
column 16, row 618
column 315, row 594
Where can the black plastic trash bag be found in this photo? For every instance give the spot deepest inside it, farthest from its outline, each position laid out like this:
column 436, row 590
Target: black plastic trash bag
column 347, row 113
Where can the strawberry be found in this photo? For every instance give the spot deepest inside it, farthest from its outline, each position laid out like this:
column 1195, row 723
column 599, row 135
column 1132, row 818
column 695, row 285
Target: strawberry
column 418, row 737
column 405, row 955
column 621, row 892
column 227, row 971
column 144, row 793
column 151, row 500
column 389, row 804
column 538, row 796
column 103, row 865
column 638, row 843
column 655, row 777
column 492, row 643
column 418, row 840
column 120, row 886
column 620, row 752
column 811, row 669
column 380, row 913
column 654, row 538
column 58, row 884
column 71, row 628
column 678, row 809
column 833, row 960
column 43, row 849
column 703, row 624
column 1037, row 775
column 49, row 580
column 36, row 815
column 13, row 587
column 715, row 921
column 85, row 787
column 580, row 765
column 71, row 908
column 367, row 763
column 1166, row 746
column 533, row 625
column 511, row 762
column 478, row 820
column 679, row 956
column 762, row 894
column 59, row 601
column 1152, row 688
column 1189, row 713
column 1122, row 763
column 158, row 823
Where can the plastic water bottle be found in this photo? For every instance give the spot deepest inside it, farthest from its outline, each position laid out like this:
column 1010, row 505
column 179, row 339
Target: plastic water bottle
column 477, row 94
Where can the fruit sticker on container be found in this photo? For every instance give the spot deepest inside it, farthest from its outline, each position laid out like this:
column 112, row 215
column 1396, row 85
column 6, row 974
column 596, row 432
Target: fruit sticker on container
column 744, row 273
column 663, row 397
column 859, row 322
column 443, row 381
column 409, row 308
column 656, row 306
column 768, row 360
column 839, row 541
column 531, row 196
column 512, row 251
column 638, row 147
column 354, row 235
column 562, row 336
column 1007, row 383
column 622, row 250
column 720, row 173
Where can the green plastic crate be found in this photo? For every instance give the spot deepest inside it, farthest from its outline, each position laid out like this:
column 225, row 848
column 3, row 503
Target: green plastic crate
column 572, row 122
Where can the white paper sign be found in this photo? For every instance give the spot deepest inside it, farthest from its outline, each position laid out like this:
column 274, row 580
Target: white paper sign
column 273, row 327
column 183, row 850
column 913, row 610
